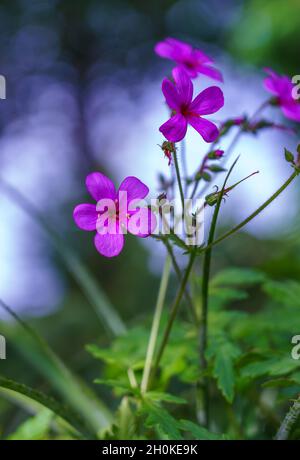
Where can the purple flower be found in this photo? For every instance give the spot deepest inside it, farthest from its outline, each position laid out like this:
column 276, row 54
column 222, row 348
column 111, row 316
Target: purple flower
column 282, row 88
column 115, row 213
column 187, row 111
column 193, row 61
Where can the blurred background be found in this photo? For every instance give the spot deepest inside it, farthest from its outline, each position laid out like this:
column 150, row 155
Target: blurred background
column 83, row 94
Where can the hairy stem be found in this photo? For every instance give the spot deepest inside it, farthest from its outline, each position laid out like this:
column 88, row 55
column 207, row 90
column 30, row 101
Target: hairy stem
column 254, row 214
column 184, row 165
column 179, row 276
column 205, row 288
column 155, row 324
column 179, row 180
column 289, row 421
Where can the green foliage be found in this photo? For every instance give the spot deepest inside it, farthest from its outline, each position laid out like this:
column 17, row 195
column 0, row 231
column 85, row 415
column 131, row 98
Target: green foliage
column 34, row 428
column 248, row 377
column 198, row 432
column 224, row 355
column 243, row 365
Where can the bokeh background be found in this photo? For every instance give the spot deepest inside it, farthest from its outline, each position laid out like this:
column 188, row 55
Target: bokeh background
column 83, row 94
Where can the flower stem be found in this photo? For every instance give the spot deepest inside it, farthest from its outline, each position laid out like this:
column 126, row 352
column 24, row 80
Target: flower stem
column 289, row 421
column 179, row 181
column 205, row 288
column 184, row 164
column 179, row 276
column 254, row 214
column 173, row 313
column 155, row 324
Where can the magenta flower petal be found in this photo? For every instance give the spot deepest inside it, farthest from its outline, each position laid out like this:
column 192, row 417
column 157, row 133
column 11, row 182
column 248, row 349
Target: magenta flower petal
column 142, row 223
column 280, row 85
column 85, row 216
column 184, row 85
column 172, row 49
column 291, row 110
column 100, row 186
column 136, row 190
column 109, row 245
column 201, row 57
column 205, row 128
column 175, row 128
column 191, row 71
column 210, row 72
column 192, row 61
column 171, row 94
column 208, row 101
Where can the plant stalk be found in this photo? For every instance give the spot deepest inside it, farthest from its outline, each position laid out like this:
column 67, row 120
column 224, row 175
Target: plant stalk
column 155, row 324
column 205, row 289
column 289, row 421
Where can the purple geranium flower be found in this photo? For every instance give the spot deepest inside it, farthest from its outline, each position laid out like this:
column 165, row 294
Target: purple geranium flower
column 187, row 111
column 282, row 87
column 193, row 61
column 116, row 212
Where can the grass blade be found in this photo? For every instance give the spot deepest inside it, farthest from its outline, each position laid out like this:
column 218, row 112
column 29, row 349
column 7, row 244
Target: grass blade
column 59, row 409
column 79, row 396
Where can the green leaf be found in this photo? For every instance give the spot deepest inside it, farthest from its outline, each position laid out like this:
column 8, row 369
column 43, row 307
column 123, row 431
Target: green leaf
column 225, row 354
column 178, row 241
column 205, row 176
column 279, row 383
column 288, row 156
column 50, row 403
column 284, row 292
column 220, row 297
column 200, row 433
column 238, row 276
column 216, row 168
column 273, row 367
column 34, row 428
column 164, row 424
column 160, row 396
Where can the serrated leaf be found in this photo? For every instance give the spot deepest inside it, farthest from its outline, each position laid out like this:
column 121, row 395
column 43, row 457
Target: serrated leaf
column 284, row 292
column 178, row 241
column 199, row 432
column 220, row 297
column 238, row 276
column 225, row 354
column 157, row 418
column 167, row 397
column 273, row 367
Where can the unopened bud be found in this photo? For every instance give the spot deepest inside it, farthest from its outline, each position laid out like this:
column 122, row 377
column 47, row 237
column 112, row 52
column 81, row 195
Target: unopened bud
column 215, row 154
column 168, row 148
